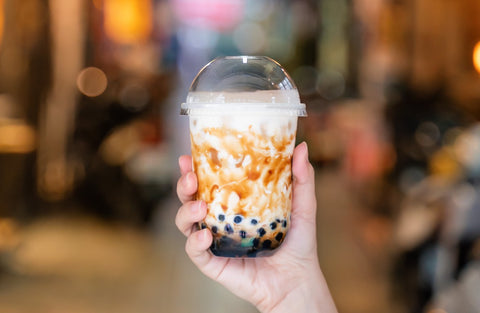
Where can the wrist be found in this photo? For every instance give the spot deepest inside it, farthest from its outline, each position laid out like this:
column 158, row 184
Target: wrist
column 309, row 296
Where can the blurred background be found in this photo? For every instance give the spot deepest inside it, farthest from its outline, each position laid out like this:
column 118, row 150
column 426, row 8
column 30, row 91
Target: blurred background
column 90, row 133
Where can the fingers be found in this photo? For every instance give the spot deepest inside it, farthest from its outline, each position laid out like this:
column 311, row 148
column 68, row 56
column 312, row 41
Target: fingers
column 304, row 201
column 197, row 249
column 198, row 242
column 189, row 215
column 302, row 169
column 187, row 187
column 187, row 184
column 185, row 163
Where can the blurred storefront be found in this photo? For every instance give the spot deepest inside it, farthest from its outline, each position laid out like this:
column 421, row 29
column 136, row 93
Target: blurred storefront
column 90, row 126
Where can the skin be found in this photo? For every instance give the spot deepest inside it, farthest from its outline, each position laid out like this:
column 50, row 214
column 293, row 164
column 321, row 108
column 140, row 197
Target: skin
column 291, row 279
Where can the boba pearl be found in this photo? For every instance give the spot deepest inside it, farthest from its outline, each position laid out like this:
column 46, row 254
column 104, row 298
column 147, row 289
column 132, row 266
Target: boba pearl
column 284, row 223
column 203, row 226
column 254, row 222
column 238, row 219
column 243, row 234
column 221, row 217
column 214, row 229
column 229, row 229
column 279, row 236
column 261, row 232
column 267, row 243
column 256, row 242
column 273, row 225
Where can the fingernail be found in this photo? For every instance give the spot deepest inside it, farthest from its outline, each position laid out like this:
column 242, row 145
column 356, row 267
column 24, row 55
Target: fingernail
column 305, row 155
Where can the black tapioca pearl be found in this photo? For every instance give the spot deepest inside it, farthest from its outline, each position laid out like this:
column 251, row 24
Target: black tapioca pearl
column 278, row 220
column 243, row 234
column 284, row 224
column 261, row 231
column 214, row 229
column 221, row 217
column 229, row 229
column 267, row 244
column 273, row 225
column 203, row 226
column 254, row 222
column 256, row 242
column 237, row 219
column 279, row 236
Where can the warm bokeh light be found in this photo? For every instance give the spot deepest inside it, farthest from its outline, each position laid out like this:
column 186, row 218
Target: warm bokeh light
column 57, row 180
column 476, row 57
column 120, row 145
column 8, row 233
column 16, row 137
column 92, row 81
column 128, row 21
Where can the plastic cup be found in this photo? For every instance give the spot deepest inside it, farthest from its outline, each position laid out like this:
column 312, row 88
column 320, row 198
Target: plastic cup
column 243, row 114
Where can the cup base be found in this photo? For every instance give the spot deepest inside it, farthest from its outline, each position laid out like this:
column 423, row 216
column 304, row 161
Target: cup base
column 249, row 248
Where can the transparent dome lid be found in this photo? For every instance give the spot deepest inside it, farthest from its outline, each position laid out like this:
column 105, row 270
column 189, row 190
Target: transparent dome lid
column 242, row 83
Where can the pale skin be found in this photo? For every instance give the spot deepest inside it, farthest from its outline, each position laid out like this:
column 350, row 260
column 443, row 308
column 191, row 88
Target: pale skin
column 291, row 279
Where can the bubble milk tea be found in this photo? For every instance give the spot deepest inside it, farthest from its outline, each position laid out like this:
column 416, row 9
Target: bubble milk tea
column 242, row 140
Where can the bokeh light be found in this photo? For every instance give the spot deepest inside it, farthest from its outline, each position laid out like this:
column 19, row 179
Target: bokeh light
column 427, row 134
column 56, row 181
column 16, row 137
column 134, row 96
column 218, row 15
column 476, row 57
column 120, row 145
column 92, row 81
column 467, row 150
column 128, row 21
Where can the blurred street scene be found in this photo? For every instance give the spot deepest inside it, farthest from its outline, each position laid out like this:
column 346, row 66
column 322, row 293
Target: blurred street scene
column 90, row 134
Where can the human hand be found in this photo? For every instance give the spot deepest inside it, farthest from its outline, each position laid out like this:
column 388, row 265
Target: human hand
column 291, row 279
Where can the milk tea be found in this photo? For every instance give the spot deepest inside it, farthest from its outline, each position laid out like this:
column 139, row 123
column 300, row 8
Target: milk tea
column 242, row 157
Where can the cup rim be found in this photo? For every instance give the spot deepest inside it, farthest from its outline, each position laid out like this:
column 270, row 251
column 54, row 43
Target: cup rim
column 291, row 109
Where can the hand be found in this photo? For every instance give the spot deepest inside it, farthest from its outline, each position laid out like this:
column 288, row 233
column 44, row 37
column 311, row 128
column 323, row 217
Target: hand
column 291, row 279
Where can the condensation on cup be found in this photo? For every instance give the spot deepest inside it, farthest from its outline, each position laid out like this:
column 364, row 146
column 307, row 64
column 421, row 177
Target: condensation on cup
column 243, row 114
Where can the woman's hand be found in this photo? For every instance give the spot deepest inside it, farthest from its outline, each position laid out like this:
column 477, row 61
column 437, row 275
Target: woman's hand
column 291, row 279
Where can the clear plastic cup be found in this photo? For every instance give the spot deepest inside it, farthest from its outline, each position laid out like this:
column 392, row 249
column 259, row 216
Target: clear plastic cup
column 243, row 114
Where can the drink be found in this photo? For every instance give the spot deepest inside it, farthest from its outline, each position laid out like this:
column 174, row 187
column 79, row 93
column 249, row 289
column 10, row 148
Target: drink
column 242, row 144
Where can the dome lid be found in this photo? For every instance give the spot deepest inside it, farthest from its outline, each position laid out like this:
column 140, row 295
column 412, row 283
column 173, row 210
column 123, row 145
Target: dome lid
column 241, row 83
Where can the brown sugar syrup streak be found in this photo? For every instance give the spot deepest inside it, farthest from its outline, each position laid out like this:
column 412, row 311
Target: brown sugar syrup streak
column 251, row 176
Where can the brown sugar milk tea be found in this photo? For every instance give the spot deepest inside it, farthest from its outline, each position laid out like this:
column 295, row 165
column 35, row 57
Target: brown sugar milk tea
column 243, row 118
